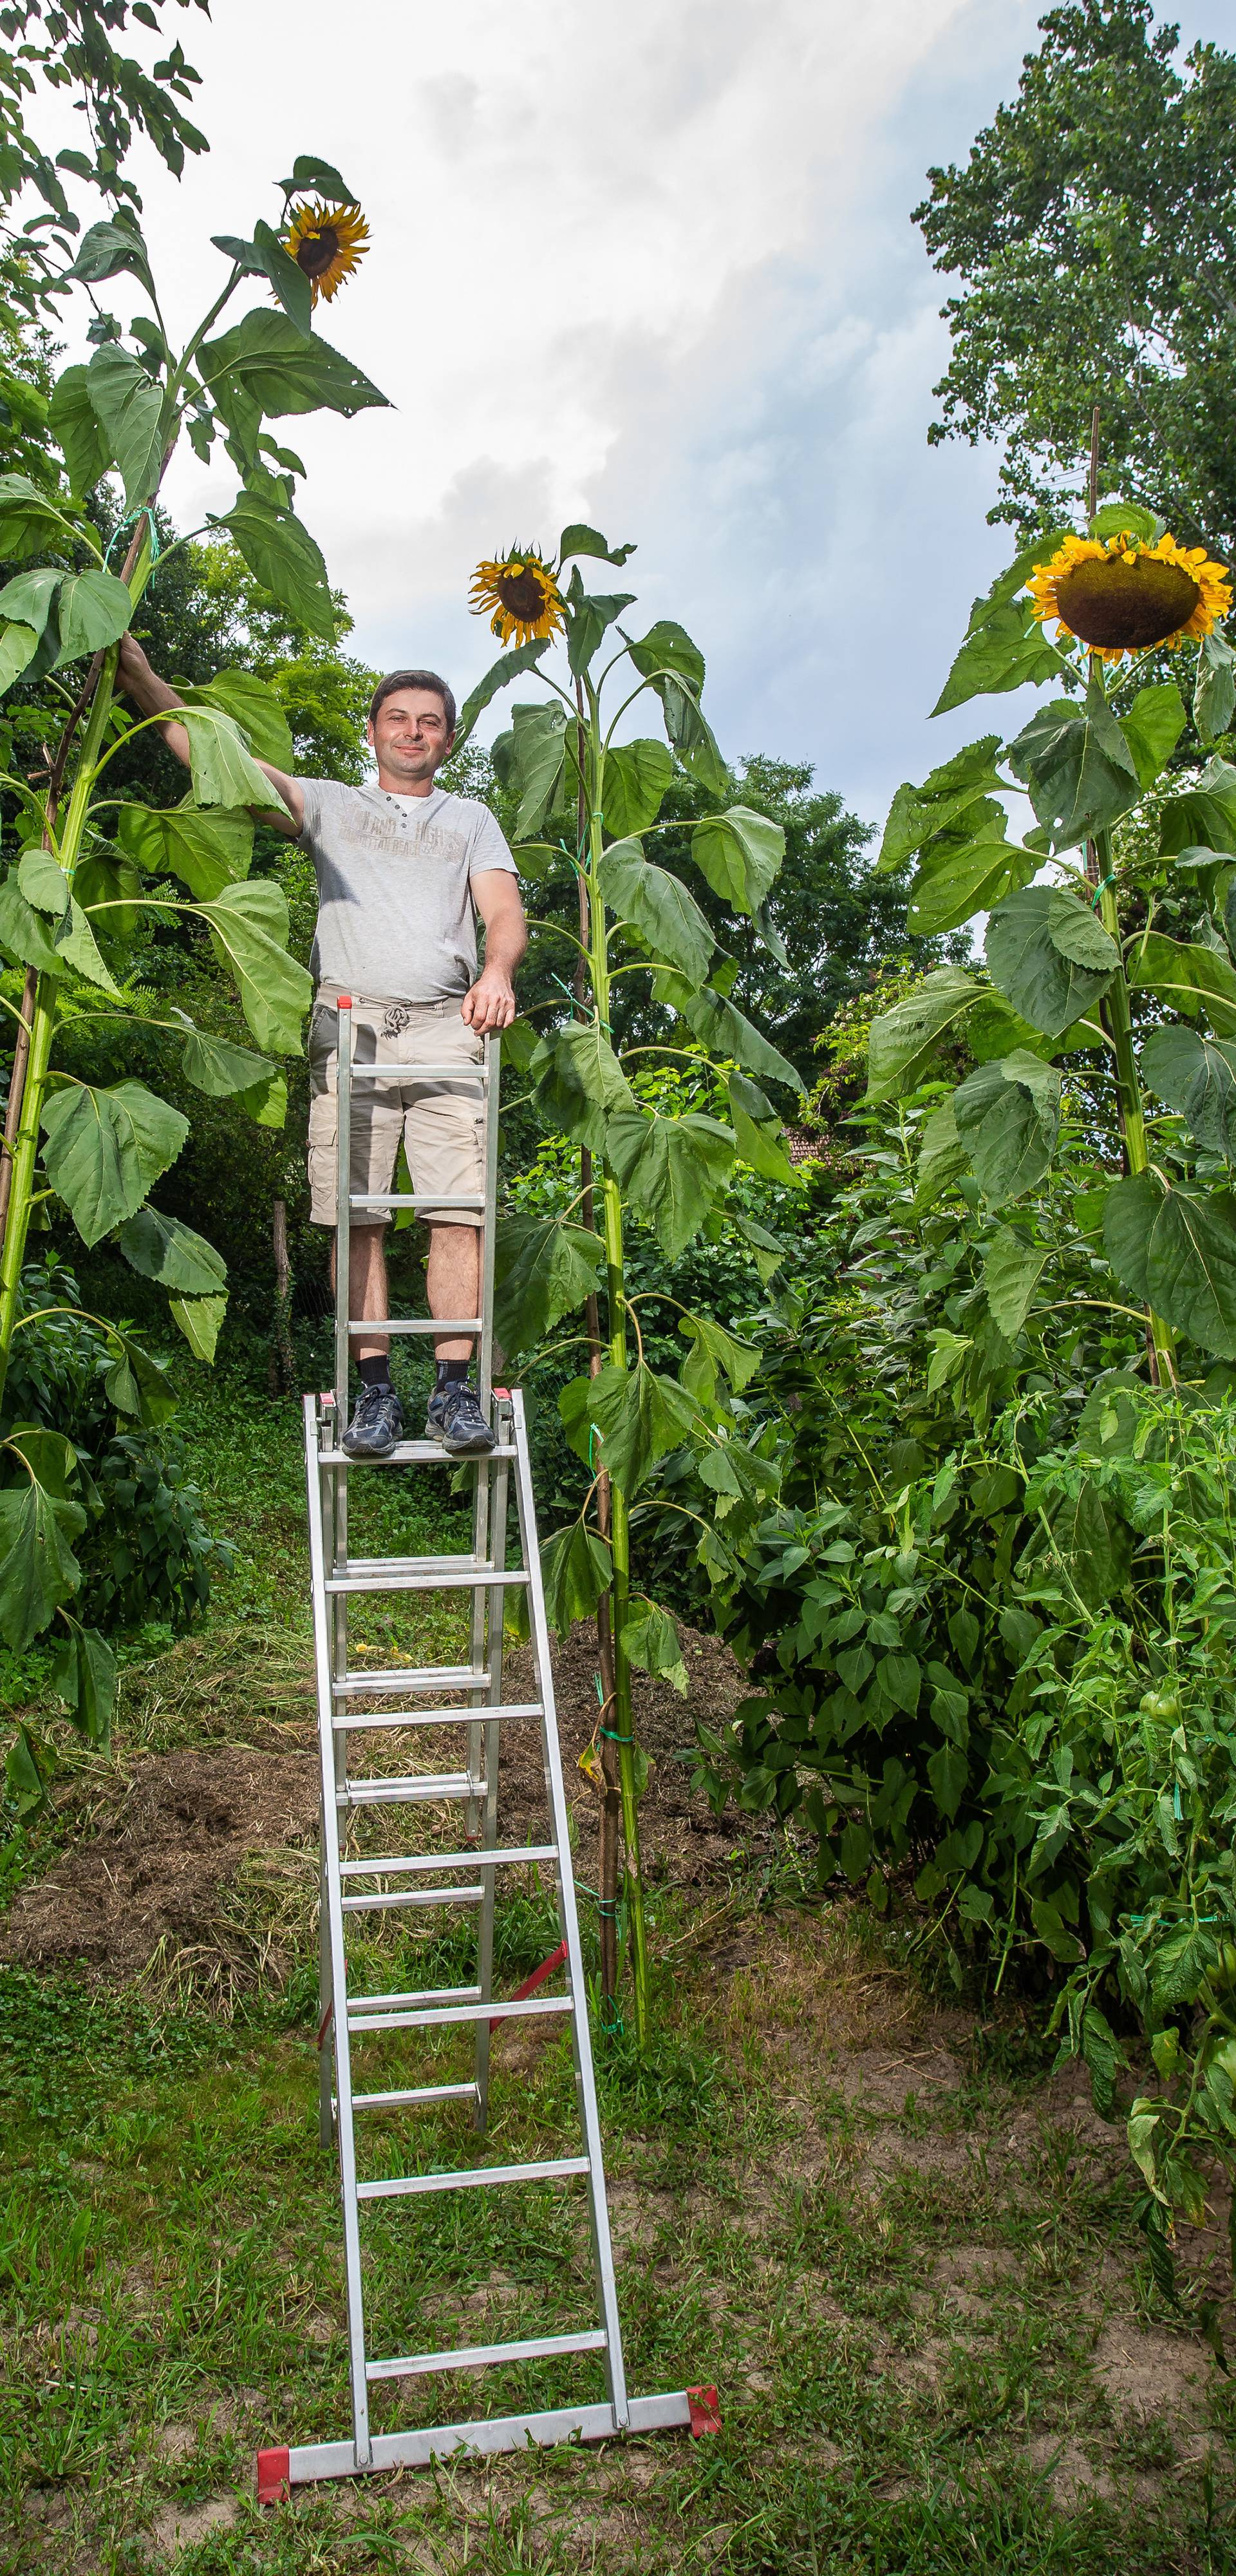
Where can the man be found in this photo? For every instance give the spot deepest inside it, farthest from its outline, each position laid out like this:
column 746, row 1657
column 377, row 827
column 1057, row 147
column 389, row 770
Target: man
column 402, row 869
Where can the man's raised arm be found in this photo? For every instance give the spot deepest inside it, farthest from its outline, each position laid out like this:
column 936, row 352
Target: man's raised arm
column 155, row 698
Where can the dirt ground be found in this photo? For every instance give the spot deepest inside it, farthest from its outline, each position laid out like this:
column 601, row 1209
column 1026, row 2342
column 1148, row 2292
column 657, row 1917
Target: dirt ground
column 175, row 1833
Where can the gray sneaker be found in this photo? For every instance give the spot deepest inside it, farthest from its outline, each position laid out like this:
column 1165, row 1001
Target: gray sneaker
column 376, row 1424
column 455, row 1418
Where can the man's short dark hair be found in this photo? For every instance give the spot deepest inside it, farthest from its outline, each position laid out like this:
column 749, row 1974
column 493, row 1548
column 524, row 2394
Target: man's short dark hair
column 414, row 680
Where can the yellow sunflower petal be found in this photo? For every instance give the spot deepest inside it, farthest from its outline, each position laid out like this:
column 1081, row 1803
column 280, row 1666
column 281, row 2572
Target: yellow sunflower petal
column 1129, row 597
column 327, row 243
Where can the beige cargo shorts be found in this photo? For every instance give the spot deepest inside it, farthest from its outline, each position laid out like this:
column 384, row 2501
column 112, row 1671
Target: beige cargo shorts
column 442, row 1125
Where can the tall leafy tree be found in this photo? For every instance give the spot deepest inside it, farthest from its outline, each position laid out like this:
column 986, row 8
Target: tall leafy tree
column 1093, row 229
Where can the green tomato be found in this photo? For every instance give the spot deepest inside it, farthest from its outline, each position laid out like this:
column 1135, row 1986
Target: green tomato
column 1222, row 1976
column 1163, row 1704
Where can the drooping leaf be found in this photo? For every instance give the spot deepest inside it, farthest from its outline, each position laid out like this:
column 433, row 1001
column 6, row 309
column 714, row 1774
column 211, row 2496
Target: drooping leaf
column 957, row 880
column 589, row 616
column 18, row 646
column 538, row 738
column 1202, row 816
column 29, row 519
column 105, row 1149
column 129, row 410
column 85, row 1677
column 74, row 424
column 92, row 610
column 721, row 1350
column 38, row 1569
column 671, row 1169
column 1005, row 652
column 200, row 1319
column 43, row 883
column 288, row 279
column 544, row 1270
column 137, row 1384
column 162, row 1248
column 692, row 736
column 916, row 813
column 29, row 599
column 274, row 367
column 1078, row 768
column 109, row 248
column 942, row 1158
column 255, row 707
column 283, row 556
column 757, row 1130
column 668, row 648
column 722, row 1028
column 24, row 934
column 107, row 883
column 500, row 673
column 1214, row 697
column 1007, row 1115
column 1028, row 937
column 1175, row 1250
column 319, row 178
column 740, row 855
column 576, row 1568
column 1011, row 1270
column 658, row 907
column 904, row 1039
column 634, row 1415
column 1094, row 1542
column 1189, row 975
column 1152, row 727
column 651, row 1641
column 1195, row 1075
column 224, row 772
column 579, row 539
column 249, row 932
column 637, row 775
column 578, row 1082
column 220, row 1069
column 205, row 846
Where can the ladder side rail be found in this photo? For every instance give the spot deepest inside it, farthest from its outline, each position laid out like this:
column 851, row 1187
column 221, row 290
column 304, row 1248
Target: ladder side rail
column 328, row 1745
column 496, row 1613
column 343, row 1206
column 485, row 1311
column 585, row 2081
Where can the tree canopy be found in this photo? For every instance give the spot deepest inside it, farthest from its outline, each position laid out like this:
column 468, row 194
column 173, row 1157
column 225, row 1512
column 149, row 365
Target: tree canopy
column 1093, row 229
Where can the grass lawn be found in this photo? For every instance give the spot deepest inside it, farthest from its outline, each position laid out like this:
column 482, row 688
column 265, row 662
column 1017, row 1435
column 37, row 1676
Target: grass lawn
column 903, row 2250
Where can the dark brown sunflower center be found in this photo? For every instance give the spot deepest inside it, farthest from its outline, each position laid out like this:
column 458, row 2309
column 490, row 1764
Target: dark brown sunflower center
column 315, row 251
column 1126, row 604
column 521, row 594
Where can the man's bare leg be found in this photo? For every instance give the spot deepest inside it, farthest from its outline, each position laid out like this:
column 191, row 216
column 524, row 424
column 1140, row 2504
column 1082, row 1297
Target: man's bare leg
column 368, row 1295
column 453, row 1280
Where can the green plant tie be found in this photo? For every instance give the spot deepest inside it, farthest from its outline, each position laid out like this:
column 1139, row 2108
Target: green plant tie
column 130, row 520
column 1109, row 879
column 616, row 1739
column 614, row 2029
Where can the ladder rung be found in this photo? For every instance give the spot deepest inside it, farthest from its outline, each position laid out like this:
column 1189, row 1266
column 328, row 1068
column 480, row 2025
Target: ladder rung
column 473, row 2177
column 351, row 1724
column 419, row 1323
column 389, row 1071
column 467, row 1563
column 415, row 2093
column 438, row 2015
column 418, row 1788
column 475, row 2356
column 414, row 1677
column 412, row 1896
column 447, row 1860
column 429, row 1995
column 411, row 1453
column 485, row 1579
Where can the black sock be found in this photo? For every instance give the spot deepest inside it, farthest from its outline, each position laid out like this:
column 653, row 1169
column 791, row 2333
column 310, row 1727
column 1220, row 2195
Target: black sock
column 375, row 1371
column 453, row 1372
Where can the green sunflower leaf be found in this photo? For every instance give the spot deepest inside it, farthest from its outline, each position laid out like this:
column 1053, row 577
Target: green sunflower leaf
column 270, row 363
column 576, row 1568
column 1007, row 651
column 249, row 934
column 1029, row 939
column 1175, row 1250
column 1152, row 727
column 1203, row 816
column 205, row 846
column 665, row 917
column 283, row 556
column 651, row 1641
column 545, row 1269
column 578, row 1082
column 626, row 1419
column 507, row 668
column 74, row 424
column 200, row 1319
column 129, row 410
column 1195, row 1075
column 671, row 1170
column 904, row 1039
column 581, row 540
column 1189, row 975
column 740, row 855
column 29, row 519
column 1007, row 1116
column 160, row 1247
column 1214, row 698
column 1078, row 767
column 636, row 778
column 105, row 1149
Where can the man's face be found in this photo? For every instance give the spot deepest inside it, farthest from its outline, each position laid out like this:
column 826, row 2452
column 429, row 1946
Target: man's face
column 409, row 735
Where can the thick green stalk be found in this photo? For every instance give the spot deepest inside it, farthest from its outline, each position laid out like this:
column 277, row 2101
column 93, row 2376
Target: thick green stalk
column 42, row 1032
column 620, row 1528
column 1129, row 1090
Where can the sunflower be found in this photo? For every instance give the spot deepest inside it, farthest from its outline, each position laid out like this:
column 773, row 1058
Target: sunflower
column 1123, row 596
column 327, row 242
column 523, row 594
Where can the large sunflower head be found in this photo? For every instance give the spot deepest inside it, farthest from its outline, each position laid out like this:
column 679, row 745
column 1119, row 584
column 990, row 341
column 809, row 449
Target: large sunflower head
column 327, row 242
column 1121, row 595
column 523, row 595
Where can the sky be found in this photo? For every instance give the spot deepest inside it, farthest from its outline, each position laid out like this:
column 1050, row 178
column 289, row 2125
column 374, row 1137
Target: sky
column 649, row 265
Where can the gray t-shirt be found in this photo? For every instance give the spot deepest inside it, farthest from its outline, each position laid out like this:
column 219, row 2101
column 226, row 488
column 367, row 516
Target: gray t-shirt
column 395, row 916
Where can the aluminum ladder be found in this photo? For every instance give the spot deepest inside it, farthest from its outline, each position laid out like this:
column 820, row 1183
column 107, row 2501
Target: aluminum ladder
column 467, row 1698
